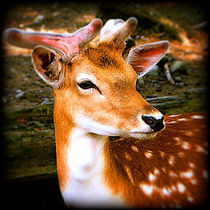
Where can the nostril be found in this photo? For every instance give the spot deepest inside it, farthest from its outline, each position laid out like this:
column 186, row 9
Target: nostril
column 155, row 124
column 148, row 120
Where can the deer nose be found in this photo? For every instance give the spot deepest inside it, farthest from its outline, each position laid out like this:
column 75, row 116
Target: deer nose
column 155, row 124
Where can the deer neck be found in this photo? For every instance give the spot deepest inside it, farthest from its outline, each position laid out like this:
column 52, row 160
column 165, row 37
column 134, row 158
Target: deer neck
column 85, row 154
column 81, row 164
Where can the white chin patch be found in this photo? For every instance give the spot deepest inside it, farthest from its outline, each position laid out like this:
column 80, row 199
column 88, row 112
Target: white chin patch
column 139, row 135
column 94, row 127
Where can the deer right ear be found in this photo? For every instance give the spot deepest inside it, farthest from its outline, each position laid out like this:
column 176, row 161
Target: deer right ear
column 47, row 64
column 144, row 57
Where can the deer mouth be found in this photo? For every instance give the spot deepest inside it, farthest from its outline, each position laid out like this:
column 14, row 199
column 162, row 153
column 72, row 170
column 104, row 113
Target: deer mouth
column 144, row 135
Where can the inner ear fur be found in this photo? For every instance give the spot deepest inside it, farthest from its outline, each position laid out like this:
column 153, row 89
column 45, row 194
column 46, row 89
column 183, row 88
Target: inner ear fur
column 47, row 64
column 144, row 57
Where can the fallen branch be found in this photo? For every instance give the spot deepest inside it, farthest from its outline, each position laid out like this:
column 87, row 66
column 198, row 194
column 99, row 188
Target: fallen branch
column 168, row 74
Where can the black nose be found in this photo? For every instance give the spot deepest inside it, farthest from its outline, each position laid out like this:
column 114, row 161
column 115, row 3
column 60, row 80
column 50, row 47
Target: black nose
column 155, row 124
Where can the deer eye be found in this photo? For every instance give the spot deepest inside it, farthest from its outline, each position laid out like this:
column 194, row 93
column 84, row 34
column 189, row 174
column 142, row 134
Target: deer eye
column 86, row 85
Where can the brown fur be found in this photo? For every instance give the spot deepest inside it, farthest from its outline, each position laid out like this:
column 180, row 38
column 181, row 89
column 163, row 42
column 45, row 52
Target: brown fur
column 128, row 167
column 68, row 100
column 169, row 170
column 62, row 125
column 132, row 164
column 100, row 57
column 104, row 55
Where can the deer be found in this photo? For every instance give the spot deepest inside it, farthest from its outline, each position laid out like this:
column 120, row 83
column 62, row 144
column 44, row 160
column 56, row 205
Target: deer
column 157, row 161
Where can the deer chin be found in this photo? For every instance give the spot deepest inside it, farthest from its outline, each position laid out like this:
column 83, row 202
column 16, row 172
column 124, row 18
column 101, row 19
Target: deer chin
column 92, row 126
column 142, row 135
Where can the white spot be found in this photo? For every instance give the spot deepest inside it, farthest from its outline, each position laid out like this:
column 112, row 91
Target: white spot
column 181, row 187
column 200, row 149
column 166, row 191
column 148, row 189
column 156, row 171
column 148, row 153
column 134, row 148
column 197, row 117
column 172, row 173
column 128, row 171
column 127, row 156
column 189, row 133
column 185, row 145
column 205, row 174
column 180, row 154
column 171, row 122
column 177, row 139
column 186, row 174
column 182, row 119
column 193, row 181
column 151, row 177
column 192, row 165
column 171, row 160
column 190, row 199
column 162, row 154
column 163, row 169
column 173, row 188
column 174, row 115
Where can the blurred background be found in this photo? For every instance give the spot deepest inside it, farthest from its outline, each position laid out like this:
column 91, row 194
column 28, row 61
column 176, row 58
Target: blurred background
column 177, row 84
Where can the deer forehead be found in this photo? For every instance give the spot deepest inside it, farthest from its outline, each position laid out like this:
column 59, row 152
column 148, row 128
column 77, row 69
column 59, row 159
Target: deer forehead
column 105, row 67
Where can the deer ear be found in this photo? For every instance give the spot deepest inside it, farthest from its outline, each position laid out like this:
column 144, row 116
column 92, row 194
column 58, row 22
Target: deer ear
column 144, row 57
column 47, row 64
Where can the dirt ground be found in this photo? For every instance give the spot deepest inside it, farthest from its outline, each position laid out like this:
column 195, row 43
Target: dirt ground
column 23, row 89
column 27, row 102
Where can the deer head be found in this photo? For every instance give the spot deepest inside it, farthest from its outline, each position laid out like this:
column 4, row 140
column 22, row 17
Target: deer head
column 93, row 84
column 95, row 97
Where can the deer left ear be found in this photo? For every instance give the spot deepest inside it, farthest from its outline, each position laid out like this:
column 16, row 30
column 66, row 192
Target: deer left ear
column 144, row 57
column 47, row 65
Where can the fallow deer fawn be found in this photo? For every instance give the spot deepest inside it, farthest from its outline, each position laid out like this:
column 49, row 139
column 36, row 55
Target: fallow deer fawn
column 95, row 97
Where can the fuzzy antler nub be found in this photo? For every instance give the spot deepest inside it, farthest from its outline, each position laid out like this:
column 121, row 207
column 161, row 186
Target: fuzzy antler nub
column 67, row 45
column 117, row 30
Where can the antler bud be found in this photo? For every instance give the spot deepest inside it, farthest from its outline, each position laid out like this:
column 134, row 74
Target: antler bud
column 117, row 30
column 67, row 45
